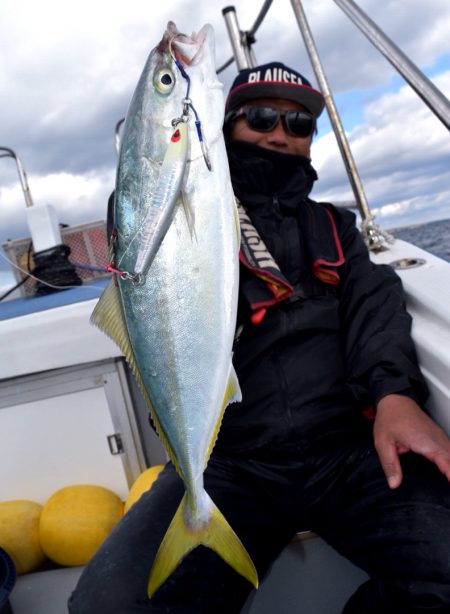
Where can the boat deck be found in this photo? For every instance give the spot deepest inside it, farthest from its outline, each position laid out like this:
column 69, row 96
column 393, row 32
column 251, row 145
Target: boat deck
column 323, row 582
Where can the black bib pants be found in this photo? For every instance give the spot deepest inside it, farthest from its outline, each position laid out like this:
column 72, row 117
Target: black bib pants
column 334, row 487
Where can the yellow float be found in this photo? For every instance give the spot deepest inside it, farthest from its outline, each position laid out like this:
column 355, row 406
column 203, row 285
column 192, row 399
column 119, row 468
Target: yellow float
column 19, row 533
column 76, row 520
column 142, row 484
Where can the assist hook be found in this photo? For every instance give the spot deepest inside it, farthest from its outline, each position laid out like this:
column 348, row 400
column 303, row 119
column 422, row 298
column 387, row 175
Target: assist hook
column 187, row 105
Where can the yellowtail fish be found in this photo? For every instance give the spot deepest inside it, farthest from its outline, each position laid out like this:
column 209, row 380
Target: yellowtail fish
column 172, row 307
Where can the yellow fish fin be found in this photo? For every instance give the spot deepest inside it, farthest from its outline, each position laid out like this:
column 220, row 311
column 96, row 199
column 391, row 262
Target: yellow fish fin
column 216, row 534
column 237, row 223
column 232, row 392
column 108, row 317
column 232, row 395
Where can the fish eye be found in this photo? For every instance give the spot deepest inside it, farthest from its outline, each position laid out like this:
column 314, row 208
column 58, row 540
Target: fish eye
column 164, row 80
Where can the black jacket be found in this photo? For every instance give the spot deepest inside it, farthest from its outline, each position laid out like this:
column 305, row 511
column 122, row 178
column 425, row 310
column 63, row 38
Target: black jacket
column 331, row 349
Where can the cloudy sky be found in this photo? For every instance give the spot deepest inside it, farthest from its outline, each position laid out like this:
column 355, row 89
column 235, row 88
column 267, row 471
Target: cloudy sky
column 68, row 70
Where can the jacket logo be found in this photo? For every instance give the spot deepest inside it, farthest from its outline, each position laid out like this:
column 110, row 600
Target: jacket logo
column 256, row 257
column 256, row 250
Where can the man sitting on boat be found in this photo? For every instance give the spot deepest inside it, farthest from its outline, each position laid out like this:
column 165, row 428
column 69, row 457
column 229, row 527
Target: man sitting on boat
column 331, row 435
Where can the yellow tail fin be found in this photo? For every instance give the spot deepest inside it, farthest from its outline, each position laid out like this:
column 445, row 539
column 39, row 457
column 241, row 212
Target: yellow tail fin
column 180, row 539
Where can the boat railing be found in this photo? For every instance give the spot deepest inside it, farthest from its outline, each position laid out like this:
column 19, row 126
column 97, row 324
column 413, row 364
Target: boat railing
column 7, row 152
column 424, row 88
column 241, row 42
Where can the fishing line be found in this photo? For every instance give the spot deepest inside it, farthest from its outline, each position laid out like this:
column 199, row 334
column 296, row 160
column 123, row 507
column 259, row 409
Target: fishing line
column 187, row 104
column 46, row 283
column 156, row 163
column 137, row 279
column 16, row 287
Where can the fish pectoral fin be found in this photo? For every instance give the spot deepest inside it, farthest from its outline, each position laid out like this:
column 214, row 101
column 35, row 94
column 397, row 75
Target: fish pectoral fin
column 180, row 539
column 190, row 215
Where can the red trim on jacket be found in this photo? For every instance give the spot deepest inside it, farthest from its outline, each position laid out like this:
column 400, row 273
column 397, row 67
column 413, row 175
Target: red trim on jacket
column 320, row 266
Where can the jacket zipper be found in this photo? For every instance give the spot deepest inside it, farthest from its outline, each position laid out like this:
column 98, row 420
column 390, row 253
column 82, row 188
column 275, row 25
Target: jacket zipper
column 284, row 390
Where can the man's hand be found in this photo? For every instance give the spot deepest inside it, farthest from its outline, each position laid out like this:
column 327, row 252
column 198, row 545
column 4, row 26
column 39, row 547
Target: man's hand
column 401, row 426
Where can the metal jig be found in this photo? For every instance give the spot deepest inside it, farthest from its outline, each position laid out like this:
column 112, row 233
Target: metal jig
column 187, row 106
column 137, row 279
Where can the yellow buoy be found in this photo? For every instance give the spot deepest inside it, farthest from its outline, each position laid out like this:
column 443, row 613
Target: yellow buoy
column 142, row 484
column 76, row 520
column 19, row 533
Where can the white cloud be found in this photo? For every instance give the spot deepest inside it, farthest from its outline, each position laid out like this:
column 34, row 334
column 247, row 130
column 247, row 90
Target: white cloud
column 402, row 152
column 76, row 198
column 419, row 29
column 67, row 71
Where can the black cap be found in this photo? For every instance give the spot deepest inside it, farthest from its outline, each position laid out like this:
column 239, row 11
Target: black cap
column 274, row 80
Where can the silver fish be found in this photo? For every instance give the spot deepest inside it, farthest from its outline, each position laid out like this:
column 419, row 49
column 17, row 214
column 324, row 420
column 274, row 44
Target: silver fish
column 173, row 315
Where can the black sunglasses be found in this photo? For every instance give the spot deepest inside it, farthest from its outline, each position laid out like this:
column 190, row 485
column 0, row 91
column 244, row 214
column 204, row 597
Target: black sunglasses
column 265, row 118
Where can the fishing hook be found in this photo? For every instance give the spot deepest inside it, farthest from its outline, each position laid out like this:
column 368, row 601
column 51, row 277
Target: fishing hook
column 187, row 104
column 136, row 278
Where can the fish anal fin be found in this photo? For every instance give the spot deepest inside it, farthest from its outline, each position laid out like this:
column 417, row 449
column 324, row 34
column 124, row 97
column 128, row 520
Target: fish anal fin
column 237, row 223
column 232, row 392
column 232, row 395
column 180, row 539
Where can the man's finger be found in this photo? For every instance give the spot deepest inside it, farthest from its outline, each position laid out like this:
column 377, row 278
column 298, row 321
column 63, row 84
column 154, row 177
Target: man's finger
column 390, row 462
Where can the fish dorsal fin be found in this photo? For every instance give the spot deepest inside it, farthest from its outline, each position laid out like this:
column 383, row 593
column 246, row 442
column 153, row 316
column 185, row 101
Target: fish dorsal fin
column 108, row 317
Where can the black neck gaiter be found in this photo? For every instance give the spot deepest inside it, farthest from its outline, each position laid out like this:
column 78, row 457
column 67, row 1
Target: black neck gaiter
column 259, row 172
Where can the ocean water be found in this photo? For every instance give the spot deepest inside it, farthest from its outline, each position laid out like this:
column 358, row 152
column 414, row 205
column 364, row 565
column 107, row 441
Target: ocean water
column 432, row 236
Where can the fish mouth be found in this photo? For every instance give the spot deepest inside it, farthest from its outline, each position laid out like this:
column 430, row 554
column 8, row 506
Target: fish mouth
column 186, row 49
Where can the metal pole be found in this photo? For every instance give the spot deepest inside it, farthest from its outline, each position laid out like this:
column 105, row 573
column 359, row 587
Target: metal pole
column 423, row 87
column 9, row 153
column 342, row 141
column 252, row 56
column 261, row 16
column 249, row 36
column 240, row 51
